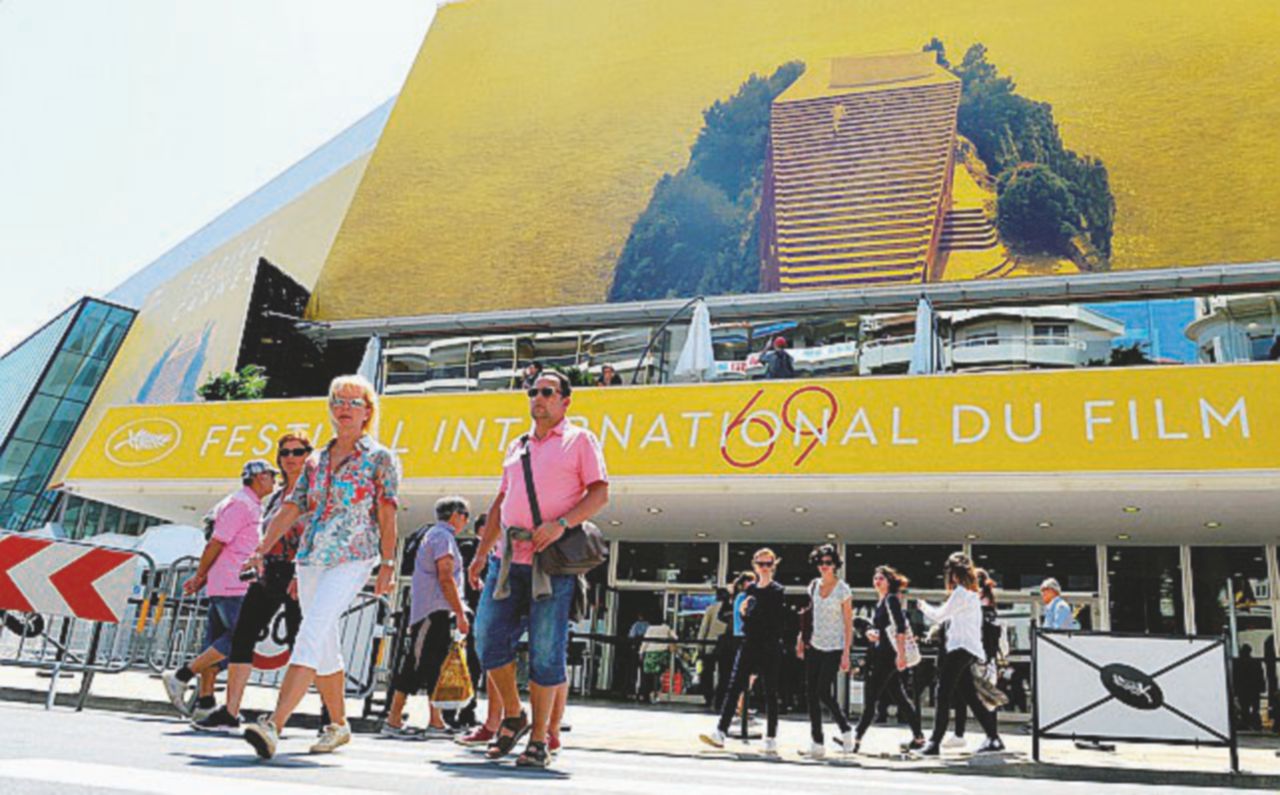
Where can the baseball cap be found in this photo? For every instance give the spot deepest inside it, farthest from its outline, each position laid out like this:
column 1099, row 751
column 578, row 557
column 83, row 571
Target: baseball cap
column 1051, row 583
column 256, row 467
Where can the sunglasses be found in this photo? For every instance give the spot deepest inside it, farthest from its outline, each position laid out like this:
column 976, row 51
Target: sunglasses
column 826, row 562
column 342, row 403
column 294, row 452
column 764, row 564
column 545, row 391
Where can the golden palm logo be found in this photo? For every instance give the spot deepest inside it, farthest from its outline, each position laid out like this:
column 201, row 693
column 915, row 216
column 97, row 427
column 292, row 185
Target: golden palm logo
column 142, row 442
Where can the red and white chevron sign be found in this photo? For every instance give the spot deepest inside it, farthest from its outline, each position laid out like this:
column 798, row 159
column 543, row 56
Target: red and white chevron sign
column 38, row 575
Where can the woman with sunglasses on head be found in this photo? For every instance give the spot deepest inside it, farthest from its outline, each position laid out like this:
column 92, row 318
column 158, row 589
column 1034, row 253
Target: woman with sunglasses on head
column 964, row 613
column 762, row 612
column 272, row 587
column 827, row 647
column 350, row 491
column 887, row 658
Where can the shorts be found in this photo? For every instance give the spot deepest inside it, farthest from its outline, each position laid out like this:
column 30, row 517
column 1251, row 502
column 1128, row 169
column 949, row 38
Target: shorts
column 501, row 622
column 427, row 643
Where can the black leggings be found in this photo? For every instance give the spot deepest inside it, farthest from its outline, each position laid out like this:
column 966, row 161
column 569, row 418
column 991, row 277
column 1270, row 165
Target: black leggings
column 820, row 669
column 955, row 683
column 886, row 682
column 764, row 660
column 261, row 602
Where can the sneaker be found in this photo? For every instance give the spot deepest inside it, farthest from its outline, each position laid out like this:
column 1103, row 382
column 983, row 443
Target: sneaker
column 553, row 742
column 199, row 713
column 176, row 690
column 217, row 721
column 848, row 743
column 771, row 746
column 931, row 749
column 990, row 745
column 262, row 736
column 817, row 751
column 715, row 739
column 914, row 744
column 437, row 733
column 954, row 741
column 479, row 736
column 401, row 732
column 334, row 737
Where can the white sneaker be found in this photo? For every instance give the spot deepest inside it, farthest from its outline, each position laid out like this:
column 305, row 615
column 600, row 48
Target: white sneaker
column 715, row 739
column 847, row 742
column 771, row 746
column 437, row 733
column 176, row 690
column 817, row 751
column 262, row 735
column 990, row 745
column 333, row 738
column 954, row 741
column 200, row 713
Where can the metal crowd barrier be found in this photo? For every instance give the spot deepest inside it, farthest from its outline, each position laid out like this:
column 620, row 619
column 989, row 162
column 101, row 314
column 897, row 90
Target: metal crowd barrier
column 61, row 644
column 163, row 629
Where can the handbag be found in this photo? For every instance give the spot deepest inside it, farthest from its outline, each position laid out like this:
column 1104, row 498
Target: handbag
column 991, row 696
column 453, row 689
column 911, row 648
column 581, row 548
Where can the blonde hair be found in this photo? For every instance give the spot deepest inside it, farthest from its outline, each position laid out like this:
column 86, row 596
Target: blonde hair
column 766, row 551
column 351, row 382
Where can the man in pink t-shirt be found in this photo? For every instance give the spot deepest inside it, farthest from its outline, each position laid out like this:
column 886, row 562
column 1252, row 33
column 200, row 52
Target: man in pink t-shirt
column 571, row 486
column 236, row 534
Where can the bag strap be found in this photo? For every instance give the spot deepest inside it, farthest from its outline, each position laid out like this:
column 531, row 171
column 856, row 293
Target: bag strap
column 527, row 464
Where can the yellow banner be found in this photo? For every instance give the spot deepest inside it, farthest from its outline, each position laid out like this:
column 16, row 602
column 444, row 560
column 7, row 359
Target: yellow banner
column 1195, row 418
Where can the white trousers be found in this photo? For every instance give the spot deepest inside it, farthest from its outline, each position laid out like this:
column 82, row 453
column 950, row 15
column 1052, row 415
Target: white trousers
column 324, row 594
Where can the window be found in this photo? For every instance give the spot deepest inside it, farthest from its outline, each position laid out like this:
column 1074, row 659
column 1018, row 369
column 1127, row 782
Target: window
column 1245, row 568
column 793, row 566
column 1260, row 347
column 1023, row 567
column 682, row 563
column 921, row 563
column 1050, row 333
column 1144, row 585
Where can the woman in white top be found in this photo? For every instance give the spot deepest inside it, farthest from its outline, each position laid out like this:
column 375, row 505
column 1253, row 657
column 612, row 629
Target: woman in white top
column 827, row 647
column 963, row 609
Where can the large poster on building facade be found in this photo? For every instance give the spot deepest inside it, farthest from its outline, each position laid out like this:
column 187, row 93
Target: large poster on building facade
column 577, row 151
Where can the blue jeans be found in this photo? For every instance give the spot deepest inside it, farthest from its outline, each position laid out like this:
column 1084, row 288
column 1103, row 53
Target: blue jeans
column 224, row 612
column 500, row 622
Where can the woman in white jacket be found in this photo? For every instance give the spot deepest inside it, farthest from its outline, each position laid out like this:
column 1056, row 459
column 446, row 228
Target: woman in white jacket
column 963, row 609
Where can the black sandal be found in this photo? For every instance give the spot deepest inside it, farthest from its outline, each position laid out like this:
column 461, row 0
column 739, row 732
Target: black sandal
column 535, row 755
column 501, row 746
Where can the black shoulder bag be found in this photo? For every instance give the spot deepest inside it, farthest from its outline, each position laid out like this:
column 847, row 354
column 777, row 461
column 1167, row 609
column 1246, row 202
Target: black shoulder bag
column 581, row 548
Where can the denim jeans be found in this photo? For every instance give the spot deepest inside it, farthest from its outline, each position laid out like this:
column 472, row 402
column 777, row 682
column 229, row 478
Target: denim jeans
column 224, row 612
column 501, row 622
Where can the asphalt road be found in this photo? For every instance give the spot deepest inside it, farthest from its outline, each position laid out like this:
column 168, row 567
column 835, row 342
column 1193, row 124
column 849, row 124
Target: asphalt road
column 105, row 752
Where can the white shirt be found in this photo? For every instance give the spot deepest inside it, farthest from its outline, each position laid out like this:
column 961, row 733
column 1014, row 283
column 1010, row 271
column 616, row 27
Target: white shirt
column 828, row 616
column 964, row 610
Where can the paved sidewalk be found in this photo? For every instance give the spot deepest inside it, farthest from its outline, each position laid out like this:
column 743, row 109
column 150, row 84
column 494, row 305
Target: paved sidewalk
column 658, row 731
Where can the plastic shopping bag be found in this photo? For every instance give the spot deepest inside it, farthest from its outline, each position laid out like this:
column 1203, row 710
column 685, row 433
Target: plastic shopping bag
column 453, row 688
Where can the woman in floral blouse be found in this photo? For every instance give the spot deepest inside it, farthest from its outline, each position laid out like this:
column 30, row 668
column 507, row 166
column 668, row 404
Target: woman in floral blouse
column 350, row 491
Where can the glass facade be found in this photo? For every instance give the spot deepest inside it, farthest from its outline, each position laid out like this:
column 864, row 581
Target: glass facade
column 81, row 518
column 685, row 564
column 53, row 407
column 1017, row 567
column 793, row 564
column 1144, row 589
column 1245, row 603
column 921, row 563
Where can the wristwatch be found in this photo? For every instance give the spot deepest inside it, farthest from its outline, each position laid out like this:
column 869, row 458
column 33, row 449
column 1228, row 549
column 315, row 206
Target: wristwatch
column 389, row 563
column 563, row 522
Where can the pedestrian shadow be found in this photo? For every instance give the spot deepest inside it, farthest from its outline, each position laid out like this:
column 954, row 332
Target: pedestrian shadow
column 250, row 760
column 494, row 771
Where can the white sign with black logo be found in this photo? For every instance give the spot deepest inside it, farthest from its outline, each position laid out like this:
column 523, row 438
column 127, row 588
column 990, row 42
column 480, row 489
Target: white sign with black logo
column 1132, row 687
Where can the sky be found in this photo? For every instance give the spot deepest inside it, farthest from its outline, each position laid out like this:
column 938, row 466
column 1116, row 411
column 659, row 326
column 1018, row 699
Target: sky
column 126, row 126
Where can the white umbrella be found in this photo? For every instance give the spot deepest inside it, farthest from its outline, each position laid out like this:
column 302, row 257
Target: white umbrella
column 924, row 350
column 698, row 358
column 369, row 362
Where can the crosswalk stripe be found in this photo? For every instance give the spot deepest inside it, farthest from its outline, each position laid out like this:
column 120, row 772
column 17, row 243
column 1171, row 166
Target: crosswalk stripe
column 580, row 764
column 141, row 779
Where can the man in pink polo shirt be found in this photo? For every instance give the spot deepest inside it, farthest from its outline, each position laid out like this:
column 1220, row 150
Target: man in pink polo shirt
column 572, row 486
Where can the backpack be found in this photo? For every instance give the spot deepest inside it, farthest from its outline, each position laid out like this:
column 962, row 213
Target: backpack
column 411, row 544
